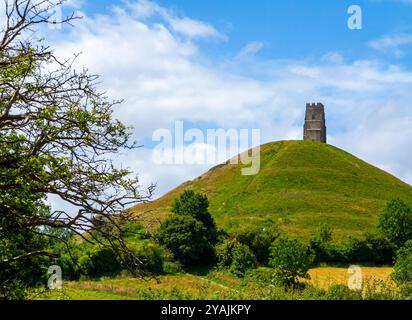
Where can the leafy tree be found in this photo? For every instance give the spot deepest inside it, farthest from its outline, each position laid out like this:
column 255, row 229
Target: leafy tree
column 57, row 137
column 291, row 259
column 395, row 222
column 186, row 238
column 196, row 205
column 403, row 268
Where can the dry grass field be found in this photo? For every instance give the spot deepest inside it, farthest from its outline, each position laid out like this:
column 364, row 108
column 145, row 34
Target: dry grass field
column 214, row 285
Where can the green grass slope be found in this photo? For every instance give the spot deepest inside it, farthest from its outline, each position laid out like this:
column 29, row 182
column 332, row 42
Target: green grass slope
column 300, row 185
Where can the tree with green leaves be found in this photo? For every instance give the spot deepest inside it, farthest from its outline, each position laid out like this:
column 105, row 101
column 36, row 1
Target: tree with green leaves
column 57, row 137
column 196, row 205
column 395, row 222
column 291, row 260
column 187, row 239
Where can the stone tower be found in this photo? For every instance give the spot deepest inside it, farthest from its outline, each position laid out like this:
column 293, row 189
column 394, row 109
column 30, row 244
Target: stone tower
column 315, row 123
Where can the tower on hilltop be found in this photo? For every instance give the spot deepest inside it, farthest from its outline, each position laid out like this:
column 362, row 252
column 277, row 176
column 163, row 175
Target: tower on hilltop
column 315, row 123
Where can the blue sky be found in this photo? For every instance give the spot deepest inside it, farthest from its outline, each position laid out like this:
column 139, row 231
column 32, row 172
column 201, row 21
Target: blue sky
column 291, row 29
column 251, row 64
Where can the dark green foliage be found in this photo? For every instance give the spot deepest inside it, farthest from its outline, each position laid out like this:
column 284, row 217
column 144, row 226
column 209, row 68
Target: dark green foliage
column 259, row 240
column 25, row 273
column 395, row 222
column 291, row 259
column 371, row 249
column 196, row 205
column 186, row 238
column 320, row 244
column 235, row 256
column 98, row 262
column 403, row 269
column 243, row 259
column 342, row 292
column 224, row 252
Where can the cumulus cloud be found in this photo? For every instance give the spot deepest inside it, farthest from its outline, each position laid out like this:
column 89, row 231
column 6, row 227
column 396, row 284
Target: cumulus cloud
column 160, row 70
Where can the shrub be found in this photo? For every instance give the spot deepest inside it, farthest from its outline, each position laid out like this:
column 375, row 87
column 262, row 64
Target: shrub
column 243, row 259
column 291, row 259
column 224, row 253
column 342, row 292
column 319, row 243
column 395, row 222
column 402, row 274
column 172, row 267
column 235, row 256
column 196, row 205
column 259, row 240
column 99, row 262
column 151, row 255
column 186, row 238
column 371, row 249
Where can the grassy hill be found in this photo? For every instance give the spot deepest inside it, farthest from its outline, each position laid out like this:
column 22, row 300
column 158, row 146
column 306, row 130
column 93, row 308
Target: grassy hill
column 300, row 185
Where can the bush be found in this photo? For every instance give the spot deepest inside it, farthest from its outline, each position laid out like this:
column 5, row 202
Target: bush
column 187, row 239
column 172, row 267
column 99, row 262
column 291, row 259
column 371, row 249
column 151, row 255
column 196, row 205
column 395, row 222
column 259, row 240
column 402, row 274
column 243, row 259
column 342, row 292
column 224, row 253
column 235, row 256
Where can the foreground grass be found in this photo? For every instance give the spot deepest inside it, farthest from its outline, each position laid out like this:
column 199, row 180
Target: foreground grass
column 213, row 285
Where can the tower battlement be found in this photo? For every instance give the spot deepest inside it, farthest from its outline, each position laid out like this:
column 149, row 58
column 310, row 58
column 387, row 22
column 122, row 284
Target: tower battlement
column 315, row 123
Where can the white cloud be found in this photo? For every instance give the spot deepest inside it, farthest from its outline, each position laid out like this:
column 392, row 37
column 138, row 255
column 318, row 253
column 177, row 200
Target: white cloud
column 193, row 28
column 163, row 76
column 392, row 44
column 250, row 49
column 185, row 26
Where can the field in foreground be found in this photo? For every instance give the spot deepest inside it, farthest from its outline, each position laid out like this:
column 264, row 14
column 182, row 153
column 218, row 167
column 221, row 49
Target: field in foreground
column 212, row 285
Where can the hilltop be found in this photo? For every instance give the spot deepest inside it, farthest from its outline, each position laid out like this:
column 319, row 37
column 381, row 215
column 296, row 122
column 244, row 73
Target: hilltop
column 300, row 185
